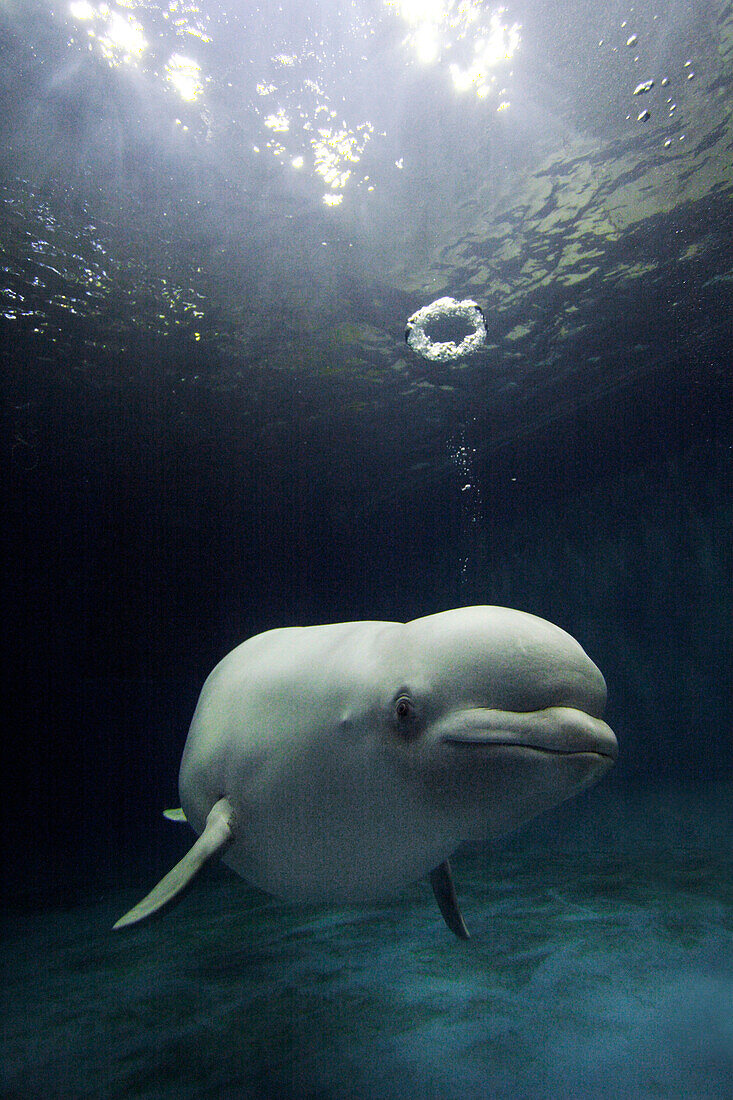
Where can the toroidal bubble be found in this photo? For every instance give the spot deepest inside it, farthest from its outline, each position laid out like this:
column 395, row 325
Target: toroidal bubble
column 442, row 309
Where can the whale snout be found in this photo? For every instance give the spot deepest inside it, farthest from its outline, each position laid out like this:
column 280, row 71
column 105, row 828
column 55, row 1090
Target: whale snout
column 560, row 730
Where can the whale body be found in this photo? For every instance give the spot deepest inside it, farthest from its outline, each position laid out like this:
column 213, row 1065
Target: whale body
column 339, row 763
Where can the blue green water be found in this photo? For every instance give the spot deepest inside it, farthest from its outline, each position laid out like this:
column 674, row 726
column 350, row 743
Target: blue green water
column 215, row 221
column 599, row 966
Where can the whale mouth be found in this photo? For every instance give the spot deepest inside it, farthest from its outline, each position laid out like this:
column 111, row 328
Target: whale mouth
column 559, row 731
column 486, row 742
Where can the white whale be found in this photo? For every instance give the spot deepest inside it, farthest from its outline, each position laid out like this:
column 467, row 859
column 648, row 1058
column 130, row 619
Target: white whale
column 339, row 763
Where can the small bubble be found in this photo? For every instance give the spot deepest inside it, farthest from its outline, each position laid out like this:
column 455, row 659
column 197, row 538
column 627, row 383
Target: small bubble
column 690, row 76
column 665, row 81
column 682, row 137
column 667, row 143
column 643, row 116
column 632, row 41
column 641, row 89
column 687, row 64
column 673, row 108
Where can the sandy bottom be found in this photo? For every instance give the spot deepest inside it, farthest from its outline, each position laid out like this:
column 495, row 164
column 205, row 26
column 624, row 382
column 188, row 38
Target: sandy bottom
column 587, row 975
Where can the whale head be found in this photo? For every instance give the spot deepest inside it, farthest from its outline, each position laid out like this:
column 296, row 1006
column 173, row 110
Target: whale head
column 500, row 713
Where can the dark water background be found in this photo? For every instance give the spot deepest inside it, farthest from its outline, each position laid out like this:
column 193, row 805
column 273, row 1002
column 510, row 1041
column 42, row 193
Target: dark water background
column 212, row 426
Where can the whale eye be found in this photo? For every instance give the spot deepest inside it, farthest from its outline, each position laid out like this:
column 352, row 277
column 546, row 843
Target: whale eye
column 405, row 715
column 404, row 708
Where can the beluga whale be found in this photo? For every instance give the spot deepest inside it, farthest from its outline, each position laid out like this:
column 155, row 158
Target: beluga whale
column 337, row 764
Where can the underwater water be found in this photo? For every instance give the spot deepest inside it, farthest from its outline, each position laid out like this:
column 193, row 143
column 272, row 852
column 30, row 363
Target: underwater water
column 216, row 222
column 599, row 970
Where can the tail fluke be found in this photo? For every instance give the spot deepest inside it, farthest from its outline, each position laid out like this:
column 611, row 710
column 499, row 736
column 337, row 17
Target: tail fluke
column 174, row 815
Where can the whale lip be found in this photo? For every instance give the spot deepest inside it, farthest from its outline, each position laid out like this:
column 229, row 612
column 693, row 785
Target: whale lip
column 562, row 731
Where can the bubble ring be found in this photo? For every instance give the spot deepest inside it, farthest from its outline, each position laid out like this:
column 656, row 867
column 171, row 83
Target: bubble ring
column 420, row 342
